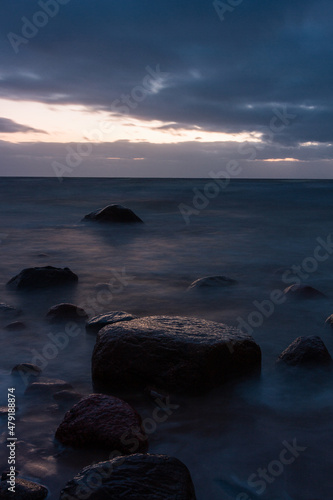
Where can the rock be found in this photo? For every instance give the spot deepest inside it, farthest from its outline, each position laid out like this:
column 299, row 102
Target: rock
column 66, row 312
column 303, row 292
column 47, row 386
column 184, row 355
column 114, row 213
column 9, row 311
column 307, row 352
column 42, row 277
column 212, row 282
column 329, row 321
column 27, row 371
column 15, row 326
column 67, row 396
column 6, row 473
column 98, row 322
column 100, row 421
column 136, row 477
column 24, row 490
column 3, row 411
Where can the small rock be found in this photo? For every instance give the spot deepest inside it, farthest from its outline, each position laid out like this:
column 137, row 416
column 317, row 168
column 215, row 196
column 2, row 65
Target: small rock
column 10, row 311
column 27, row 371
column 24, row 490
column 66, row 312
column 47, row 386
column 67, row 396
column 100, row 421
column 98, row 322
column 136, row 477
column 16, row 326
column 307, row 352
column 303, row 292
column 114, row 213
column 329, row 321
column 42, row 277
column 212, row 282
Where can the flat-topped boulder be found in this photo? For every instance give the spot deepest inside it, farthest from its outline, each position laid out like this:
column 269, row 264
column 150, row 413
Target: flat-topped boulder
column 66, row 312
column 42, row 277
column 212, row 282
column 303, row 292
column 306, row 352
column 98, row 322
column 101, row 421
column 114, row 214
column 135, row 477
column 176, row 354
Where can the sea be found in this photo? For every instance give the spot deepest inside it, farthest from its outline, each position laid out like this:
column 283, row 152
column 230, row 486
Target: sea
column 268, row 438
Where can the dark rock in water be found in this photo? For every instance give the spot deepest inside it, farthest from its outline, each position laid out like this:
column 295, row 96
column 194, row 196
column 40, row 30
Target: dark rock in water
column 329, row 321
column 98, row 322
column 100, row 421
column 114, row 213
column 24, row 490
column 305, row 352
column 42, row 277
column 67, row 396
column 184, row 355
column 9, row 311
column 16, row 326
column 47, row 386
column 66, row 312
column 27, row 371
column 136, row 477
column 303, row 292
column 212, row 282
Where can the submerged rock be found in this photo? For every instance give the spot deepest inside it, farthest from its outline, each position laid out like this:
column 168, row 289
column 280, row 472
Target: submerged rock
column 9, row 311
column 114, row 213
column 212, row 282
column 303, row 292
column 98, row 322
column 66, row 312
column 306, row 352
column 100, row 421
column 24, row 490
column 329, row 321
column 15, row 326
column 47, row 386
column 27, row 371
column 136, row 477
column 42, row 277
column 184, row 355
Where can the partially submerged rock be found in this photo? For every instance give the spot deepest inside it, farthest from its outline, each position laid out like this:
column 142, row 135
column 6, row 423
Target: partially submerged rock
column 100, row 421
column 184, row 355
column 47, row 386
column 98, row 322
column 114, row 214
column 135, row 477
column 15, row 326
column 303, row 292
column 24, row 490
column 27, row 371
column 66, row 312
column 306, row 352
column 42, row 277
column 8, row 311
column 212, row 282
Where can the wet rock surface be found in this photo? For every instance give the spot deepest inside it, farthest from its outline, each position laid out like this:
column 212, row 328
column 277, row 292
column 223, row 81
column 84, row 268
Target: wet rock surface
column 114, row 214
column 306, row 352
column 47, row 386
column 98, row 322
column 42, row 277
column 100, row 421
column 184, row 355
column 135, row 477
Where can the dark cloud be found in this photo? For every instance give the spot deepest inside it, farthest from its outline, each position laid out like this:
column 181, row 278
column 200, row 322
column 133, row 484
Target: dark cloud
column 228, row 76
column 10, row 127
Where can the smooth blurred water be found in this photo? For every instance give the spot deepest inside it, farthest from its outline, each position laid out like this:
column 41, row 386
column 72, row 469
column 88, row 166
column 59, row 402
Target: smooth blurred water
column 252, row 231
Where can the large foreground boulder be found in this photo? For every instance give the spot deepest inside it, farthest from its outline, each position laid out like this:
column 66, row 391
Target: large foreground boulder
column 185, row 355
column 24, row 490
column 42, row 277
column 98, row 322
column 100, row 421
column 115, row 214
column 136, row 477
column 306, row 352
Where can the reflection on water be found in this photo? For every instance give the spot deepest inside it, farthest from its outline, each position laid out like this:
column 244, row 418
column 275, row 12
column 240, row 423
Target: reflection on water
column 252, row 232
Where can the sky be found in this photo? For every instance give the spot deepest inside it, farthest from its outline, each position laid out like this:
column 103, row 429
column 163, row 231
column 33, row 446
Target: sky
column 171, row 88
